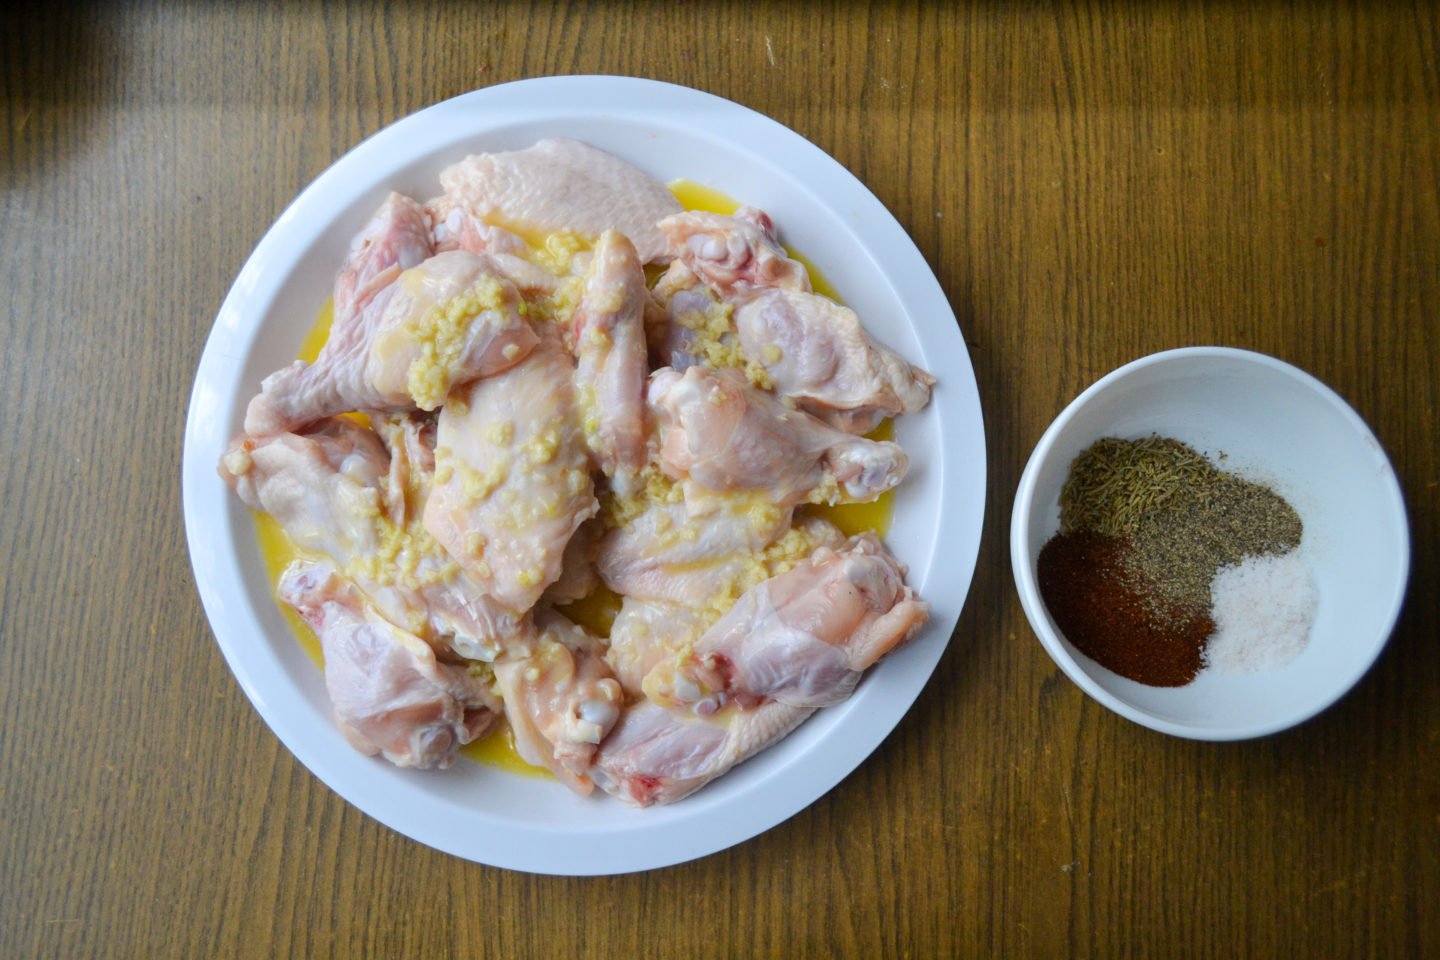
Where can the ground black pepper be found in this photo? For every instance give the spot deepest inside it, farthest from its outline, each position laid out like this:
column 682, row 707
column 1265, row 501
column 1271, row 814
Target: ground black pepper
column 1183, row 518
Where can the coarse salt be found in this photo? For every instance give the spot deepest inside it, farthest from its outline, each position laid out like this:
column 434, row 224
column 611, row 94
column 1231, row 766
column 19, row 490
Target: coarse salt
column 1263, row 608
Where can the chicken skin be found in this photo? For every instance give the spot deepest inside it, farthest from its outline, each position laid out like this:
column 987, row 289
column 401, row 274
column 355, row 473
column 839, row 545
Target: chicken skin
column 563, row 185
column 512, row 480
column 457, row 229
column 802, row 638
column 719, row 434
column 655, row 755
column 665, row 554
column 733, row 255
column 328, row 489
column 817, row 352
column 410, row 441
column 578, row 578
column 648, row 632
column 608, row 333
column 390, row 695
column 562, row 700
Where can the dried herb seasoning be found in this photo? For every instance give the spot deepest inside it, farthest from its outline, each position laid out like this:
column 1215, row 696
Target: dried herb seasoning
column 1144, row 526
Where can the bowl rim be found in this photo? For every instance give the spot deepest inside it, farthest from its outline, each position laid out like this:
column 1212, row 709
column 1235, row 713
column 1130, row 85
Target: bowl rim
column 1023, row 568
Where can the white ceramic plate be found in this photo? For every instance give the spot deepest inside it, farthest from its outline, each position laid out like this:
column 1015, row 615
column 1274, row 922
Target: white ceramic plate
column 531, row 824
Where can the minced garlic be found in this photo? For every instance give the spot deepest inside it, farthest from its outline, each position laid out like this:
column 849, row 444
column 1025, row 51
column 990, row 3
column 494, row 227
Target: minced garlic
column 654, row 489
column 717, row 345
column 476, row 485
column 595, row 335
column 779, row 557
column 501, row 433
column 558, row 252
column 405, row 556
column 544, row 446
column 827, row 491
column 441, row 334
column 559, row 305
column 237, row 462
column 589, row 410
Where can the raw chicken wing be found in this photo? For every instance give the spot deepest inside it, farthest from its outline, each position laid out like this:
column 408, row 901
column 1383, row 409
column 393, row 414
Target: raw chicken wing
column 390, row 695
column 452, row 319
column 563, row 185
column 562, row 700
column 512, row 479
column 328, row 489
column 801, row 638
column 664, row 554
column 733, row 254
column 816, row 351
column 395, row 239
column 608, row 332
column 648, row 632
column 720, row 434
column 655, row 755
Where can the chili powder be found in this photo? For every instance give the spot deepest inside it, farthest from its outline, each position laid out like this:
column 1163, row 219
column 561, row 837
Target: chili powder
column 1084, row 583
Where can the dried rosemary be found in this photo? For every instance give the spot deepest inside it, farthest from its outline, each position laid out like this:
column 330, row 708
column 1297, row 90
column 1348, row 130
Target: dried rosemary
column 1183, row 517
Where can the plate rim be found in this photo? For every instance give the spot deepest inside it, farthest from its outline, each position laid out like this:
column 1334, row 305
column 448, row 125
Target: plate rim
column 963, row 522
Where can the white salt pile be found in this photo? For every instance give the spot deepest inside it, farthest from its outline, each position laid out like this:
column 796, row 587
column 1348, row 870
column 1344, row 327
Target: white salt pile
column 1263, row 608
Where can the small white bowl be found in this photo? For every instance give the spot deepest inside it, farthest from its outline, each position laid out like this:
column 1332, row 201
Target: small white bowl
column 1273, row 424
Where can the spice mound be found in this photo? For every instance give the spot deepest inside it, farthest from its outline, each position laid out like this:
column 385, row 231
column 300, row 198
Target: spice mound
column 1131, row 579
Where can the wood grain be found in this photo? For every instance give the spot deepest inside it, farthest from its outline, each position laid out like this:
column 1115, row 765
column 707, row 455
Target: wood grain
column 1091, row 182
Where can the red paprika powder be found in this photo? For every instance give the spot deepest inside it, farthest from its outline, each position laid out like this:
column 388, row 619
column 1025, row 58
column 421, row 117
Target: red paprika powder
column 1098, row 608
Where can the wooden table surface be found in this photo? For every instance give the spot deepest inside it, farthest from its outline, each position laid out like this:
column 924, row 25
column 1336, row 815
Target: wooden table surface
column 1091, row 183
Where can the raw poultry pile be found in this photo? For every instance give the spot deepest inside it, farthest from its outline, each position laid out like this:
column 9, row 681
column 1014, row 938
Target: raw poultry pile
column 508, row 414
